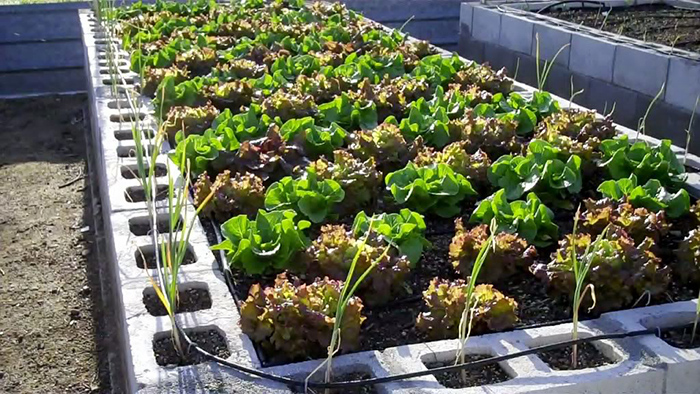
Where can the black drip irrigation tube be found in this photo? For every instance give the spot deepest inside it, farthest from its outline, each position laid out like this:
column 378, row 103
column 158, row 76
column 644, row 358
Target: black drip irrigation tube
column 393, row 378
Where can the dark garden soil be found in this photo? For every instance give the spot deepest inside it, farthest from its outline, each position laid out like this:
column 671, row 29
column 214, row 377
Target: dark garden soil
column 343, row 378
column 210, row 340
column 488, row 374
column 588, row 356
column 661, row 24
column 394, row 324
column 50, row 339
column 681, row 338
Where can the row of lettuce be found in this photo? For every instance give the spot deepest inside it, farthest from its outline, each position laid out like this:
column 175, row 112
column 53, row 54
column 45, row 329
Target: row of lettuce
column 296, row 116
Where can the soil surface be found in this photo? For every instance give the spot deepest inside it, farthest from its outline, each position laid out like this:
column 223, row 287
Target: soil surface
column 189, row 300
column 488, row 374
column 343, row 378
column 210, row 340
column 661, row 24
column 588, row 356
column 393, row 324
column 49, row 325
column 681, row 338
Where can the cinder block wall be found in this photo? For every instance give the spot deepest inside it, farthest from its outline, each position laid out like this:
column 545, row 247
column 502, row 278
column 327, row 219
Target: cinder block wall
column 41, row 49
column 612, row 70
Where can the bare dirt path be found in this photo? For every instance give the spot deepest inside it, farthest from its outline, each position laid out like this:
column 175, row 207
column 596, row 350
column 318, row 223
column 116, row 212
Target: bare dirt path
column 49, row 334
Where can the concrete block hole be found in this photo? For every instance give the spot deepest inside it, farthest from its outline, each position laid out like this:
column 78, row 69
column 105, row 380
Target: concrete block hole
column 130, row 150
column 141, row 225
column 145, row 256
column 590, row 354
column 679, row 337
column 472, row 377
column 126, row 134
column 192, row 297
column 126, row 117
column 138, row 193
column 131, row 171
column 210, row 338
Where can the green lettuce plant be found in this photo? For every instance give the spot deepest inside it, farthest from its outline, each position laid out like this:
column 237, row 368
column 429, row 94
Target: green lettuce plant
column 622, row 158
column 541, row 171
column 268, row 244
column 651, row 195
column 434, row 188
column 403, row 230
column 309, row 196
column 317, row 140
column 529, row 219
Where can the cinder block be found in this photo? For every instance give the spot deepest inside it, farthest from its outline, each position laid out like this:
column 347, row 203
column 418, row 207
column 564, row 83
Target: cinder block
column 465, row 18
column 486, row 24
column 499, row 57
column 664, row 121
column 551, row 40
column 602, row 96
column 640, row 70
column 681, row 364
column 683, row 84
column 470, row 48
column 593, row 57
column 516, row 33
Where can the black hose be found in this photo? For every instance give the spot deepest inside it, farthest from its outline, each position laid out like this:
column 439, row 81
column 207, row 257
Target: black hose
column 393, row 378
column 599, row 3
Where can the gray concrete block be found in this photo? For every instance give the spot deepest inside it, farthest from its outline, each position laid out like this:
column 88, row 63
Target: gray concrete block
column 640, row 70
column 465, row 18
column 665, row 121
column 40, row 55
column 438, row 32
column 551, row 40
column 683, row 83
column 499, row 57
column 486, row 24
column 516, row 33
column 593, row 57
column 602, row 96
column 402, row 10
column 56, row 25
column 526, row 69
column 470, row 48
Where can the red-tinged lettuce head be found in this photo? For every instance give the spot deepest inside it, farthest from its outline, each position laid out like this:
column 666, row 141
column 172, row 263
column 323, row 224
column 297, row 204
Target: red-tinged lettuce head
column 446, row 302
column 296, row 320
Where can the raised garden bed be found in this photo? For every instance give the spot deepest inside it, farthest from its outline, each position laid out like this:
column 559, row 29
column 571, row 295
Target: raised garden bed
column 659, row 23
column 304, row 125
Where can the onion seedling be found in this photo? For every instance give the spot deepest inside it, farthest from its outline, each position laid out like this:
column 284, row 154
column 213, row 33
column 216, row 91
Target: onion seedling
column 688, row 132
column 346, row 294
column 581, row 268
column 543, row 75
column 642, row 125
column 465, row 322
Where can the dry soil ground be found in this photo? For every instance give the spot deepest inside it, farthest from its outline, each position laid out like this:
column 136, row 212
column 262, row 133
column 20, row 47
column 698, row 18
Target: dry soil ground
column 49, row 322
